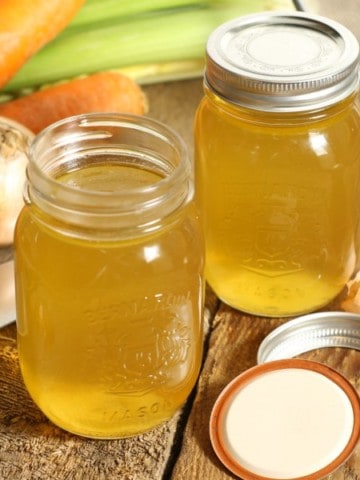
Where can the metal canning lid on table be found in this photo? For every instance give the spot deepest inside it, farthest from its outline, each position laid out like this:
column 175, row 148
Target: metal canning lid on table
column 308, row 332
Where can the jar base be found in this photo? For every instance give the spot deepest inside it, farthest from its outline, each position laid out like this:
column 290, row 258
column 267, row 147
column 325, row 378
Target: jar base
column 116, row 435
column 274, row 314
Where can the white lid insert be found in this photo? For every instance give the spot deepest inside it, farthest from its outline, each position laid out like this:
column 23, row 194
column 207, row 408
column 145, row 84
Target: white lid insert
column 286, row 420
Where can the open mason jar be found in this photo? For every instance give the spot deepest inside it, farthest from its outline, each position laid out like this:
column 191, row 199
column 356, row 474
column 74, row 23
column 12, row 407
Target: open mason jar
column 109, row 275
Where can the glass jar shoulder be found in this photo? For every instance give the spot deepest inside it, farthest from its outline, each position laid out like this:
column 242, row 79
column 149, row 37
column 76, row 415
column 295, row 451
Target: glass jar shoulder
column 329, row 139
column 180, row 234
column 216, row 113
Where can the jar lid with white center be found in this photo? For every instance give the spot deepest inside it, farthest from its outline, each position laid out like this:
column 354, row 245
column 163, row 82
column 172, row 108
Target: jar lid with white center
column 276, row 61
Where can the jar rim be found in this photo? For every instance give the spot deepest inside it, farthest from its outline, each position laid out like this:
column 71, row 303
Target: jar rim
column 72, row 136
column 98, row 118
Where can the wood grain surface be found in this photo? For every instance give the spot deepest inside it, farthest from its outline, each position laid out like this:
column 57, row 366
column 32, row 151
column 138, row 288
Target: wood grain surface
column 32, row 448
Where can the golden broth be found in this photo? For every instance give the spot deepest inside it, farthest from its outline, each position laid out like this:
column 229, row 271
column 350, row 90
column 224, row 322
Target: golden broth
column 279, row 201
column 110, row 335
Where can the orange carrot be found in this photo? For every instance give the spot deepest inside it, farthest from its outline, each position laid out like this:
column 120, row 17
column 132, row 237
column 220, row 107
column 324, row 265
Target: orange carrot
column 100, row 92
column 26, row 26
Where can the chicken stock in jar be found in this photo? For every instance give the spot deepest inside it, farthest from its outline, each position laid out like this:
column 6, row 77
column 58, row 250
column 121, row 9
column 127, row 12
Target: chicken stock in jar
column 277, row 162
column 109, row 275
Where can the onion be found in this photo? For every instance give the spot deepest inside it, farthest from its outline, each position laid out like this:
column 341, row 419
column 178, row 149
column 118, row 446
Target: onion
column 7, row 293
column 14, row 143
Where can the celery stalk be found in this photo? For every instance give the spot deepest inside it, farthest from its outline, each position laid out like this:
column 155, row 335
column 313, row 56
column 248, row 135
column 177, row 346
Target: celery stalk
column 169, row 36
column 99, row 10
column 165, row 71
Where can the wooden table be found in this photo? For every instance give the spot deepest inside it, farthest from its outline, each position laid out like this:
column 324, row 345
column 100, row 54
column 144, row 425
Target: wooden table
column 31, row 448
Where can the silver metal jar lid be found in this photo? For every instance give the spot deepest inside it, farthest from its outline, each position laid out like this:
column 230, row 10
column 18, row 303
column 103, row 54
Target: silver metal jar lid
column 282, row 61
column 309, row 332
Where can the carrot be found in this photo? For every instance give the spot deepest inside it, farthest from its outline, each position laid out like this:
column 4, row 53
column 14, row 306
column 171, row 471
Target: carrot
column 26, row 26
column 100, row 92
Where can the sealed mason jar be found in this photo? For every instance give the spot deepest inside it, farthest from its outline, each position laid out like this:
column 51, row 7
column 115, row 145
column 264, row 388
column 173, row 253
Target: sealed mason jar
column 109, row 275
column 277, row 139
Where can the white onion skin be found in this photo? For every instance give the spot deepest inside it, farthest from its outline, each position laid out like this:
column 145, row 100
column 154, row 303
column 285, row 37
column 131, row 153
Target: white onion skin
column 14, row 142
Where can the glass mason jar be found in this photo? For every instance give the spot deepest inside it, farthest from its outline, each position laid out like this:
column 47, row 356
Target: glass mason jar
column 277, row 162
column 109, row 275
